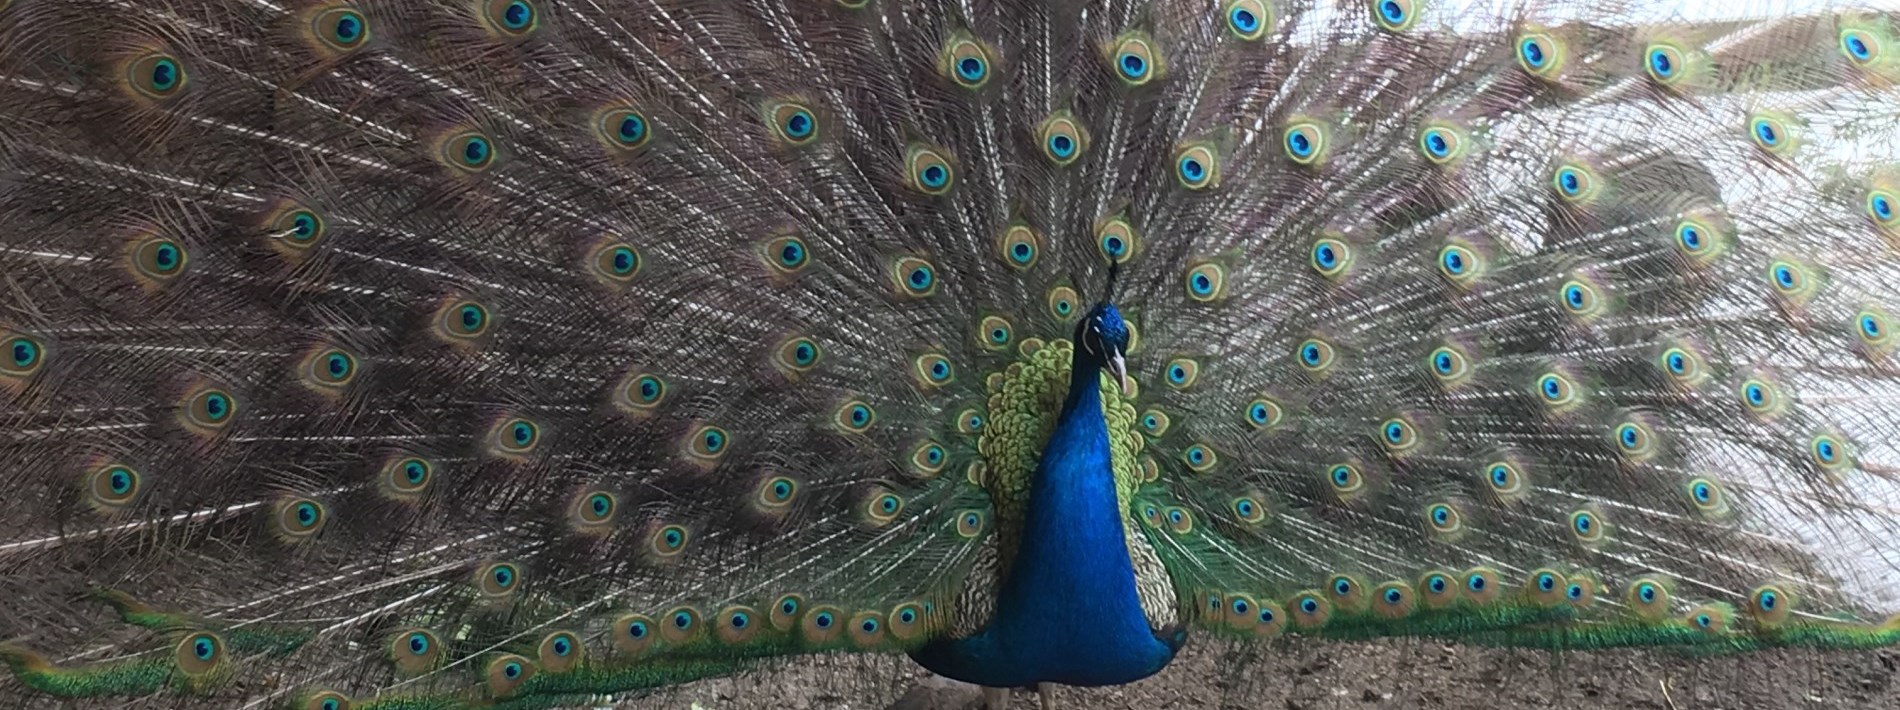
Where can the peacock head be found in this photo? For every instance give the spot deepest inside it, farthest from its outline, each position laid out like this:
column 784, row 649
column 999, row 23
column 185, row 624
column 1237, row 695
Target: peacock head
column 1101, row 338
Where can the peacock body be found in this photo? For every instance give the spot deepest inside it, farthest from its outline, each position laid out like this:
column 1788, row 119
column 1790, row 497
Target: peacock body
column 516, row 353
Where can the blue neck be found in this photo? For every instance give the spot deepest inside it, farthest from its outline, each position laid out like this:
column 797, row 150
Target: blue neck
column 1068, row 610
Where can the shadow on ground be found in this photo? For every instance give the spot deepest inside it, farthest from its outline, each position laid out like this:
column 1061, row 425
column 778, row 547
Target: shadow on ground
column 1311, row 675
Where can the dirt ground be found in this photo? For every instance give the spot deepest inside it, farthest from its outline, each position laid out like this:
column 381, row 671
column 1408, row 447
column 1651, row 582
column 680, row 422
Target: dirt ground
column 1313, row 675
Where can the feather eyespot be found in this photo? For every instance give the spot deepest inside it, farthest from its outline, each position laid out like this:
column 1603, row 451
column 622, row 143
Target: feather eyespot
column 1648, row 598
column 298, row 519
column 1305, row 142
column 1460, row 265
column 928, row 459
column 914, row 277
column 1182, row 373
column 112, row 487
column 970, row 421
column 1315, row 355
column 1247, row 20
column 668, row 541
column 736, row 624
column 1707, row 496
column 24, row 355
column 1829, row 452
column 1576, row 184
column 966, row 62
column 1770, row 133
column 497, row 579
column 1440, row 143
column 1505, row 479
column 1557, row 392
column 1332, row 257
column 786, row 254
column 1860, row 47
column 882, row 507
column 1135, row 59
column 158, row 259
column 1580, row 298
column 1310, row 610
column 208, row 410
column 616, row 263
column 1061, row 302
column 622, row 128
column 933, row 370
column 1770, row 605
column 1444, row 519
column 1395, row 600
column 1438, row 589
column 640, row 393
column 1264, row 413
column 995, row 332
column 407, row 477
column 1883, row 207
column 1664, row 63
column 514, row 436
column 1346, row 481
column 777, row 492
column 467, row 151
column 1540, row 54
column 1870, row 326
column 1482, row 585
column 414, row 651
column 560, row 651
column 1546, row 587
column 506, row 673
column 1634, row 441
column 1761, row 397
column 797, row 356
column 1179, row 520
column 707, row 443
column 1249, row 510
column 1588, row 528
column 510, row 18
column 325, row 700
column 793, row 123
column 293, row 229
column 1394, row 15
column 1793, row 282
column 1062, row 138
column 1200, row 458
column 928, row 170
column 1698, row 241
column 1399, row 436
column 633, row 634
column 1116, row 238
column 462, row 320
column 969, row 524
column 855, row 417
column 1018, row 247
column 339, row 29
column 199, row 653
column 867, row 629
column 595, row 509
column 329, row 369
column 155, row 76
column 1449, row 364
column 1196, row 167
column 1205, row 282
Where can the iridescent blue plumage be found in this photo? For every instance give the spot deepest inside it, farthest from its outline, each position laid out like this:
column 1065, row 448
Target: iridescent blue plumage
column 1067, row 611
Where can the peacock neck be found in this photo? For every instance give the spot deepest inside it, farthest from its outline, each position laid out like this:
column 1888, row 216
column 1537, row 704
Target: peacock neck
column 1068, row 610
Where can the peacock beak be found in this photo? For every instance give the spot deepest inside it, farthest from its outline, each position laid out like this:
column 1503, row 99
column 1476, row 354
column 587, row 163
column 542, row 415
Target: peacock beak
column 1119, row 369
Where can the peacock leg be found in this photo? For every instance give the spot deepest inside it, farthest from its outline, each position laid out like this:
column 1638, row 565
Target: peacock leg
column 995, row 698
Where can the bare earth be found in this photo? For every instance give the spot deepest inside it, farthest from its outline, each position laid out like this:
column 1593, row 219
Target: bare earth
column 1311, row 675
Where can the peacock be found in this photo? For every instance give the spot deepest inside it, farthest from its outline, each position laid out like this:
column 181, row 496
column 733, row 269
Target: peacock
column 429, row 354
